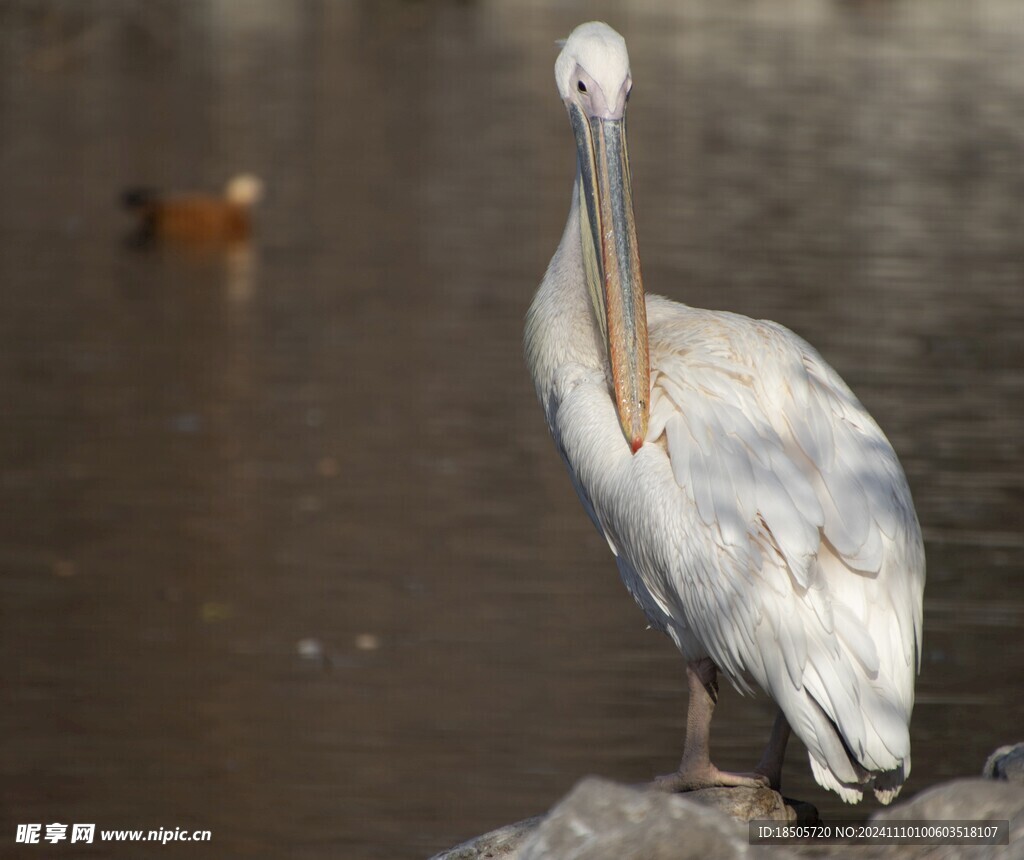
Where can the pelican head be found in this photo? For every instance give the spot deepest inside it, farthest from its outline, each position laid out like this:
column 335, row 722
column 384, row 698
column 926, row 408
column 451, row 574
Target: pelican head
column 592, row 73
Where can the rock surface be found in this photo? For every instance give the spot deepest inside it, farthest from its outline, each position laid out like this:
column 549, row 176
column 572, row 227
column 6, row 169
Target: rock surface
column 603, row 820
column 500, row 844
column 613, row 808
column 747, row 804
column 979, row 799
column 1006, row 763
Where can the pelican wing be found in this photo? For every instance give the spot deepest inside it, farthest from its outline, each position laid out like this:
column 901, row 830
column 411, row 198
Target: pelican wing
column 798, row 559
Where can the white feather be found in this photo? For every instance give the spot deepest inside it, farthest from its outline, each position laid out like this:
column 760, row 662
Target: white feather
column 765, row 522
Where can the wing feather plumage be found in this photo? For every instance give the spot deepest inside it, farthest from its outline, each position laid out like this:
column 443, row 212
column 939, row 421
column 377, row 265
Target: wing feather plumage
column 794, row 544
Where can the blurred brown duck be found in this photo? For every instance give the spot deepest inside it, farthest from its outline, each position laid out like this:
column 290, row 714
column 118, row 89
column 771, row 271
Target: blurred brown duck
column 195, row 218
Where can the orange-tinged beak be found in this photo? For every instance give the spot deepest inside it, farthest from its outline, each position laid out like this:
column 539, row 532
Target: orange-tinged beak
column 613, row 264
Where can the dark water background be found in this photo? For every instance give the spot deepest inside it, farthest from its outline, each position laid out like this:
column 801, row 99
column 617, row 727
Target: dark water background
column 329, row 444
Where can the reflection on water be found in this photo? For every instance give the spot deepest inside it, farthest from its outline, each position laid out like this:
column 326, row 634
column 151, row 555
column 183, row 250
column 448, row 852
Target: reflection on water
column 332, row 442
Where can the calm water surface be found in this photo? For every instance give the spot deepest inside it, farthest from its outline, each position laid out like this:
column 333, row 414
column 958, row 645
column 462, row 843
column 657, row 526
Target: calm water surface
column 211, row 466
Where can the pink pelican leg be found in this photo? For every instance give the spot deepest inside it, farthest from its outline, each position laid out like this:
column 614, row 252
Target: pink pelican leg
column 696, row 770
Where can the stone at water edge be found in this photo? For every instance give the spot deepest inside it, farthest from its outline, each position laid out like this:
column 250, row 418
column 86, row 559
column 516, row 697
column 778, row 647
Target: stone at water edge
column 976, row 799
column 999, row 797
column 748, row 804
column 500, row 844
column 1006, row 763
column 603, row 820
column 732, row 805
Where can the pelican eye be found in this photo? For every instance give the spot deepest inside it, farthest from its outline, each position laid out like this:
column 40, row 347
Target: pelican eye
column 582, row 87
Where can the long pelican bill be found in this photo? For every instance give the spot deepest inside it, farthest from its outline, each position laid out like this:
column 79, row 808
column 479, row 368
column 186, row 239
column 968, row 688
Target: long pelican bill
column 613, row 265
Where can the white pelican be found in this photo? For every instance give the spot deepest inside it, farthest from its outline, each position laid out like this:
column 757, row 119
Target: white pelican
column 757, row 513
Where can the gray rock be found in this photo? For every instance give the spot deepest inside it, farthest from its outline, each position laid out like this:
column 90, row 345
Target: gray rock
column 503, row 843
column 983, row 799
column 1006, row 763
column 603, row 820
column 741, row 804
column 747, row 804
